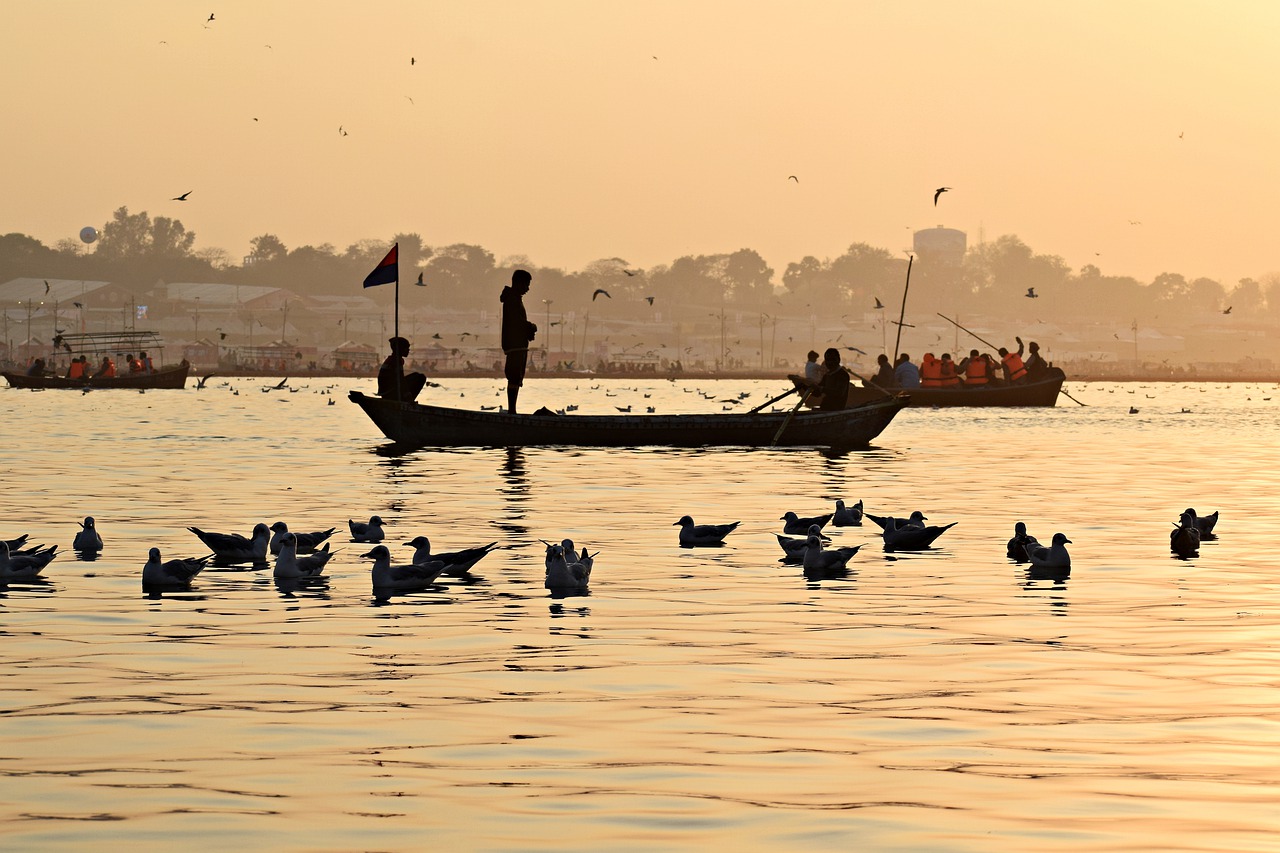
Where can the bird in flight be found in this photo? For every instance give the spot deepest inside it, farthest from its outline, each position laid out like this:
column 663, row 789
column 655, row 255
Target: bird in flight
column 598, row 291
column 420, row 282
column 46, row 288
column 879, row 304
column 1031, row 293
column 182, row 197
column 631, row 272
column 855, row 349
column 436, row 337
column 210, row 17
column 649, row 299
column 939, row 191
column 793, row 178
column 413, row 60
column 77, row 304
column 1228, row 311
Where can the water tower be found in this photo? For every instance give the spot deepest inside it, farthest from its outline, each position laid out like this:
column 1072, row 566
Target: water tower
column 940, row 246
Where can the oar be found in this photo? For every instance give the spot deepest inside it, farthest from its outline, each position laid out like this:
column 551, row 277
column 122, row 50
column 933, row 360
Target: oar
column 970, row 331
column 787, row 421
column 871, row 384
column 1068, row 396
column 760, row 407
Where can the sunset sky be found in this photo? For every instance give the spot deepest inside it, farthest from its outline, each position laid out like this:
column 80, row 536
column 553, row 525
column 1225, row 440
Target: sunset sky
column 572, row 131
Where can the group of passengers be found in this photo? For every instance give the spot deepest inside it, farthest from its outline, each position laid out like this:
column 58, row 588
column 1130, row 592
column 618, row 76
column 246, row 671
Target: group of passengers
column 977, row 370
column 80, row 368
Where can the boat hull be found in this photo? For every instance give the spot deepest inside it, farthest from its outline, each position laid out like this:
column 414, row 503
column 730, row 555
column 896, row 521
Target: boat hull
column 1041, row 393
column 416, row 425
column 166, row 377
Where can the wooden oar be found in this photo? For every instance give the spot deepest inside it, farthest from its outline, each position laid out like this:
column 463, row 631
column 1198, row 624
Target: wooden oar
column 760, row 407
column 787, row 421
column 1069, row 397
column 870, row 384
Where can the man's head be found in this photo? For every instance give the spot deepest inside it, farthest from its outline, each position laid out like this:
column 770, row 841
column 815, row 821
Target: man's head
column 882, row 359
column 1033, row 346
column 831, row 357
column 520, row 280
column 973, row 353
column 946, row 356
column 904, row 358
column 399, row 346
column 813, row 355
column 1003, row 352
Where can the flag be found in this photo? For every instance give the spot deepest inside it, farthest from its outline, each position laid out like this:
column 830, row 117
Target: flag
column 387, row 270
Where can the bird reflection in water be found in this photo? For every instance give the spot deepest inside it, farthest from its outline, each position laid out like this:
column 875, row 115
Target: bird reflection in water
column 1033, row 583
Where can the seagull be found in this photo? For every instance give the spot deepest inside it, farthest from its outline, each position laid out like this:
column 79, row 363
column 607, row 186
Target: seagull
column 46, row 286
column 847, row 516
column 917, row 519
column 401, row 578
column 649, row 299
column 210, row 17
column 564, row 574
column 818, row 560
column 201, row 380
column 1205, row 523
column 290, row 566
column 304, row 543
column 795, row 524
column 371, row 532
column 1228, row 311
column 911, row 538
column 413, row 60
column 1053, row 557
column 598, row 291
column 234, row 548
column 879, row 304
column 175, row 573
column 457, row 563
column 24, row 567
column 793, row 549
column 420, row 282
column 15, row 544
column 1184, row 539
column 87, row 538
column 1021, row 541
column 1031, row 293
column 182, row 197
column 695, row 535
column 939, row 191
column 793, row 178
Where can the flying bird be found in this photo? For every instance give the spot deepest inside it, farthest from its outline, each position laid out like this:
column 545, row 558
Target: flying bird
column 1228, row 311
column 631, row 272
column 939, row 191
column 420, row 282
column 182, row 197
column 649, row 299
column 793, row 178
column 1031, row 293
column 598, row 291
column 46, row 287
column 879, row 304
column 413, row 60
column 78, row 304
column 210, row 17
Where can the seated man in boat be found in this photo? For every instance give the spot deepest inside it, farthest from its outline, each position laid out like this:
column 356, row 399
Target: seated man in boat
column 1036, row 366
column 36, row 368
column 79, row 365
column 950, row 375
column 834, row 385
column 393, row 383
column 1011, row 362
column 106, row 370
column 812, row 370
column 906, row 373
column 884, row 377
column 978, row 370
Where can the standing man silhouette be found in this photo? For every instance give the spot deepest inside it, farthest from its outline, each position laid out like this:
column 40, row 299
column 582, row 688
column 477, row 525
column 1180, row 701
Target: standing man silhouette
column 517, row 333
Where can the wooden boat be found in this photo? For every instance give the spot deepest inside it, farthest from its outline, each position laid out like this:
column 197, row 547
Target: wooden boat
column 174, row 376
column 1043, row 392
column 417, row 425
column 95, row 345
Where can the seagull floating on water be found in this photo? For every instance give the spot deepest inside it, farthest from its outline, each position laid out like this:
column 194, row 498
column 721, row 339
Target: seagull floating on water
column 234, row 548
column 818, row 560
column 290, row 566
column 1053, row 557
column 414, row 577
column 1204, row 523
column 87, row 537
column 565, row 574
column 793, row 549
column 23, row 567
column 370, row 532
column 1021, row 541
column 305, row 543
column 847, row 516
column 912, row 538
column 1184, row 539
column 457, row 563
column 796, row 524
column 695, row 535
column 172, row 574
column 917, row 519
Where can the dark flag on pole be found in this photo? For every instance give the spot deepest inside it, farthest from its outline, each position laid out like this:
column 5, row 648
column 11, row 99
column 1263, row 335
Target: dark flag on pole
column 387, row 270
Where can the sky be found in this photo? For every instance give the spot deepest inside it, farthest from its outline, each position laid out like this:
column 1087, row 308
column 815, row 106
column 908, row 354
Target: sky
column 1141, row 137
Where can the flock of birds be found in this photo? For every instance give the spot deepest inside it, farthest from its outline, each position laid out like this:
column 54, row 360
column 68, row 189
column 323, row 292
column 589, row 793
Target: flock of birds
column 302, row 557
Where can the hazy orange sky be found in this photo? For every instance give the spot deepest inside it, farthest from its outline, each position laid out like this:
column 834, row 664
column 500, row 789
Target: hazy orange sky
column 571, row 131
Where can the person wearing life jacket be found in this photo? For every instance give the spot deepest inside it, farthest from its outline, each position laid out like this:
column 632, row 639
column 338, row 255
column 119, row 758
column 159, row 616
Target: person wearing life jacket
column 145, row 361
column 930, row 371
column 1014, row 370
column 76, row 371
column 107, row 370
column 947, row 372
column 974, row 369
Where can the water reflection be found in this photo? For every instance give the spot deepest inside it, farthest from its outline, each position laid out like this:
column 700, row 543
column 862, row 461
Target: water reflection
column 515, row 491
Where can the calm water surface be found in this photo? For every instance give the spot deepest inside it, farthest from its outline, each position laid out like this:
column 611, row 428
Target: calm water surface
column 709, row 697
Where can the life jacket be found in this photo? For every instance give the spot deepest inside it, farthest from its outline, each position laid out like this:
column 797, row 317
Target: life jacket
column 948, row 373
column 1013, row 362
column 76, row 371
column 930, row 372
column 975, row 373
column 110, row 372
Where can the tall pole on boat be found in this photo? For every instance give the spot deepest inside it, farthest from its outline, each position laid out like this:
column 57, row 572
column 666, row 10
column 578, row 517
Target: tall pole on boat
column 902, row 315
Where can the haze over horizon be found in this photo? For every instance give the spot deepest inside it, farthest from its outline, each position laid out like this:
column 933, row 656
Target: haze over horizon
column 1137, row 137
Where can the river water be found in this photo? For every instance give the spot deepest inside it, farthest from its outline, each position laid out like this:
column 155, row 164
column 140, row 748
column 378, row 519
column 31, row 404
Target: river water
column 943, row 700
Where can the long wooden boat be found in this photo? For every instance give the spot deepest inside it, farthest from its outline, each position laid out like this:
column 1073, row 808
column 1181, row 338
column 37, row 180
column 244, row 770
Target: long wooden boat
column 174, row 376
column 1043, row 392
column 417, row 425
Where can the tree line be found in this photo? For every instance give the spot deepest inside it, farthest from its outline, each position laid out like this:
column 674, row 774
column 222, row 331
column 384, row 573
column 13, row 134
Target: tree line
column 994, row 279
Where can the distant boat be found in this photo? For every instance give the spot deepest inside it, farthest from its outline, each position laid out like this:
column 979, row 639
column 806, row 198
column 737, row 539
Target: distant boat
column 1043, row 392
column 416, row 425
column 115, row 345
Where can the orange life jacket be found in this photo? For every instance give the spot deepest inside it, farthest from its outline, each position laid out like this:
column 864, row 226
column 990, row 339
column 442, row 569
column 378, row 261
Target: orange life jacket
column 110, row 372
column 76, row 371
column 1013, row 362
column 948, row 369
column 930, row 372
column 976, row 371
